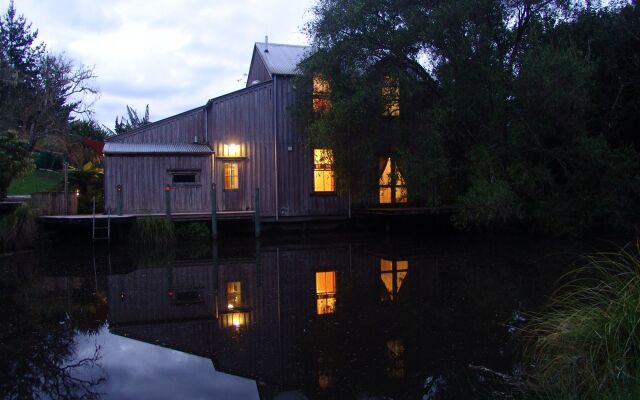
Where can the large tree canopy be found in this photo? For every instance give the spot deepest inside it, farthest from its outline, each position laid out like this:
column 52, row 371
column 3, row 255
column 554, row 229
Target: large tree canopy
column 39, row 91
column 520, row 110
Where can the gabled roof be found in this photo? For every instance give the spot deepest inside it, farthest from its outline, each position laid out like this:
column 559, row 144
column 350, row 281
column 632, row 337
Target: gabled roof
column 282, row 59
column 156, row 148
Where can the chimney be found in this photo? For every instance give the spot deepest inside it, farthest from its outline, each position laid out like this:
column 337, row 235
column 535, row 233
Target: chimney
column 266, row 44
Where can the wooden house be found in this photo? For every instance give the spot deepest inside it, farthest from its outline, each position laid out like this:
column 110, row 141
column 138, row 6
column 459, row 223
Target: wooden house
column 235, row 143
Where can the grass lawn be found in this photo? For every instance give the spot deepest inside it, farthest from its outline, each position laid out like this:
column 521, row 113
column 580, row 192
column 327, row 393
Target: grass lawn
column 39, row 181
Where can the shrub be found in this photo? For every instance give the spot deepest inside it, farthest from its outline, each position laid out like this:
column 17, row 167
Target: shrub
column 152, row 232
column 19, row 230
column 585, row 344
column 193, row 231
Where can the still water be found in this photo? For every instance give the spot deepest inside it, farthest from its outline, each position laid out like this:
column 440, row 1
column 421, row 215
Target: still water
column 315, row 317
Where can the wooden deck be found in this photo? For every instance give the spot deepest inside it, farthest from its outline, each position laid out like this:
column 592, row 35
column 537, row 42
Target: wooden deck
column 393, row 211
column 87, row 218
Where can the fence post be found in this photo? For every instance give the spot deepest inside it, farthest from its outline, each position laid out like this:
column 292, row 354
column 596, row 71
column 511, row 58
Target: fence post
column 167, row 201
column 214, row 209
column 256, row 207
column 66, row 187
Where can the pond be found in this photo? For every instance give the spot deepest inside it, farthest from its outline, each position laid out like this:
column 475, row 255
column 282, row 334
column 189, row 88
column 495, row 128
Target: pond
column 424, row 317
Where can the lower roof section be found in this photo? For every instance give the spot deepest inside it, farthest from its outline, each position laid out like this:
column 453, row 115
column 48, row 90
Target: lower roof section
column 120, row 148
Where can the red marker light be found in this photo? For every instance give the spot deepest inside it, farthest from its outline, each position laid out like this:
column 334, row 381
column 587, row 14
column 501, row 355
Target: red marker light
column 170, row 293
column 167, row 188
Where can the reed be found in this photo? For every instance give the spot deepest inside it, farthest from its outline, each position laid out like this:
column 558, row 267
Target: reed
column 152, row 232
column 19, row 229
column 585, row 343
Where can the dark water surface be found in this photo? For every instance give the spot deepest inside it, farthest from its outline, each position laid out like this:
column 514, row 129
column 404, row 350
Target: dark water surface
column 316, row 317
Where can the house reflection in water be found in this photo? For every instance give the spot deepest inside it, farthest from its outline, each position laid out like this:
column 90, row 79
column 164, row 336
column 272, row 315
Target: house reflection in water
column 272, row 316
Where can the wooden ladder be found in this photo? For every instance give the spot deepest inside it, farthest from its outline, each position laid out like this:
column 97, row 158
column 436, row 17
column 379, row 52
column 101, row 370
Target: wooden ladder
column 100, row 232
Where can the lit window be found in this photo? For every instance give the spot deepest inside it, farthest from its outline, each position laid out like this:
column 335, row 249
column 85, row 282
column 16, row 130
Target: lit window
column 326, row 292
column 231, row 176
column 392, row 187
column 234, row 295
column 321, row 91
column 235, row 319
column 323, row 176
column 391, row 97
column 392, row 274
column 231, row 150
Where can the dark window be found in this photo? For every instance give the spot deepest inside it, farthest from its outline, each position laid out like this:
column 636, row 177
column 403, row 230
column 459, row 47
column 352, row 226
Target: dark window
column 184, row 178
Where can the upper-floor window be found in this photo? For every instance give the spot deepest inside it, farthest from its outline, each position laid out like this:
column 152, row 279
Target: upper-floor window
column 323, row 176
column 231, row 150
column 234, row 294
column 390, row 97
column 321, row 92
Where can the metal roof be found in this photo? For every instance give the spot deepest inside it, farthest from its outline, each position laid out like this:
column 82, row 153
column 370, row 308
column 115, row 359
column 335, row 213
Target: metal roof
column 282, row 59
column 156, row 148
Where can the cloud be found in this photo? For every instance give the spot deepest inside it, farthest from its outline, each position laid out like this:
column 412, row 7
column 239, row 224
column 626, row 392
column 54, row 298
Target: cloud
column 171, row 55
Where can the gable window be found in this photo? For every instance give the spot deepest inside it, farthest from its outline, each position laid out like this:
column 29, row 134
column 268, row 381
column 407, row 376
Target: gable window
column 321, row 92
column 390, row 97
column 231, row 180
column 323, row 176
column 392, row 187
column 326, row 292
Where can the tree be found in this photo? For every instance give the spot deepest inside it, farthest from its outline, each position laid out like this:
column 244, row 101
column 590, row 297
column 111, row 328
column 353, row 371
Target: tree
column 15, row 160
column 40, row 91
column 517, row 100
column 133, row 122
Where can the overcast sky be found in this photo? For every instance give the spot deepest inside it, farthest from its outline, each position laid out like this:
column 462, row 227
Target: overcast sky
column 172, row 55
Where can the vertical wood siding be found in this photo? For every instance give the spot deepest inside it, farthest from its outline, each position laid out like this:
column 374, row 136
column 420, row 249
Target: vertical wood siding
column 181, row 128
column 143, row 178
column 245, row 118
column 295, row 186
column 257, row 70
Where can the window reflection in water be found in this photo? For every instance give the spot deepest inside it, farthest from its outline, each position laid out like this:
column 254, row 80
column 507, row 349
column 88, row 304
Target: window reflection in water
column 234, row 295
column 393, row 274
column 326, row 292
column 395, row 353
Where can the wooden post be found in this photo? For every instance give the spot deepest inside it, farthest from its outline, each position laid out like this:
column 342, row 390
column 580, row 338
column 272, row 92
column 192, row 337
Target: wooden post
column 256, row 207
column 65, row 165
column 167, row 201
column 119, row 199
column 214, row 208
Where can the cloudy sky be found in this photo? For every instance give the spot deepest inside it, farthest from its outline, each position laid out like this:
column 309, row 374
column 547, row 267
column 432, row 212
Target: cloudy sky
column 172, row 55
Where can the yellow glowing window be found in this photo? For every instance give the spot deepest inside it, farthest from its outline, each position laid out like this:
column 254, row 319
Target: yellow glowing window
column 231, row 180
column 326, row 292
column 234, row 295
column 323, row 176
column 391, row 185
column 231, row 150
column 391, row 97
column 321, row 92
column 393, row 274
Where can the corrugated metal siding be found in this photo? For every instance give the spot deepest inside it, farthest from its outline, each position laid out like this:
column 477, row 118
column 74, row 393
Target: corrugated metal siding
column 245, row 119
column 143, row 179
column 295, row 179
column 181, row 128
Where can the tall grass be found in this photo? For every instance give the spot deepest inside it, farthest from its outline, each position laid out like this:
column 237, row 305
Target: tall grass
column 19, row 229
column 152, row 232
column 585, row 344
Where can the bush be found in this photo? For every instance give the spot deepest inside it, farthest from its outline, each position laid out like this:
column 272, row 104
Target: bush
column 152, row 232
column 586, row 343
column 19, row 230
column 193, row 232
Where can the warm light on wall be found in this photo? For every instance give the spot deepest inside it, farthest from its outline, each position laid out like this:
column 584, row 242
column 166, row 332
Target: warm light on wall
column 235, row 319
column 231, row 150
